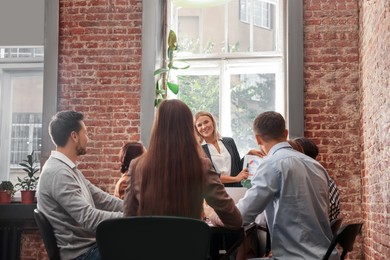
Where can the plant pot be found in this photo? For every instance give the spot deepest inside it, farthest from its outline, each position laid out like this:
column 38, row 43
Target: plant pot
column 28, row 196
column 5, row 197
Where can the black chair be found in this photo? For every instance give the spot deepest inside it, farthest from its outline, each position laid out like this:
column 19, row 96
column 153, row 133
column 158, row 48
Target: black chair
column 345, row 237
column 335, row 225
column 47, row 234
column 153, row 237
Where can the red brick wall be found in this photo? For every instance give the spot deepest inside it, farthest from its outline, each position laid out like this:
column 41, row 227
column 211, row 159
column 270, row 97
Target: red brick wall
column 332, row 110
column 375, row 126
column 99, row 75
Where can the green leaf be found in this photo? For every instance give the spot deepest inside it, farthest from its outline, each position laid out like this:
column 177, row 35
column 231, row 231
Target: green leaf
column 180, row 77
column 160, row 92
column 157, row 101
column 160, row 71
column 158, row 85
column 170, row 54
column 173, row 87
column 172, row 40
column 180, row 65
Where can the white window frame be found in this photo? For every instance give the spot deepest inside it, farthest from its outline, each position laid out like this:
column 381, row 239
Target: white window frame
column 226, row 68
column 7, row 72
column 50, row 76
column 153, row 41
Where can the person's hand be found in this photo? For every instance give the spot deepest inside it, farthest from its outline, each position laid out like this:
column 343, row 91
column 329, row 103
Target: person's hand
column 207, row 211
column 259, row 153
column 243, row 175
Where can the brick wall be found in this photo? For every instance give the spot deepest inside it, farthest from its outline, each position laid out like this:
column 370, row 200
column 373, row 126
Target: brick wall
column 375, row 126
column 99, row 75
column 332, row 111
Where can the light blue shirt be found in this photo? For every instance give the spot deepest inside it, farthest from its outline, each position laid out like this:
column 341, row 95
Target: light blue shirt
column 292, row 189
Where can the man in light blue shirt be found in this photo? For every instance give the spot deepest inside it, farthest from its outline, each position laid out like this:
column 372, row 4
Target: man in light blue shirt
column 292, row 189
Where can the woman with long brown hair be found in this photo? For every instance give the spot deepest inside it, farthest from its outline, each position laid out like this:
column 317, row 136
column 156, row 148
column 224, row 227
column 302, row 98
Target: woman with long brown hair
column 173, row 177
column 128, row 152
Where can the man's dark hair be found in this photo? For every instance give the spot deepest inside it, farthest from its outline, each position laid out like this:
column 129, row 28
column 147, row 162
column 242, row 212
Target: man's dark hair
column 269, row 125
column 63, row 124
column 309, row 147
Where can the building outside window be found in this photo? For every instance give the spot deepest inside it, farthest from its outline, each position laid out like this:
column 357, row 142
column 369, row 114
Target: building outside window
column 237, row 67
column 261, row 12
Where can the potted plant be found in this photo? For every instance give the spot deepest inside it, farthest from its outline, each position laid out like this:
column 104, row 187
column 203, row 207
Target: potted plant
column 28, row 184
column 6, row 192
column 163, row 82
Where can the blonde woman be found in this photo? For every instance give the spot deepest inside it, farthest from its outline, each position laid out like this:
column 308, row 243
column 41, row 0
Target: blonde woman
column 222, row 151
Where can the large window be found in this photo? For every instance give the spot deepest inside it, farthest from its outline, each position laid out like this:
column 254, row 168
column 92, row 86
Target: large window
column 21, row 92
column 237, row 69
column 28, row 97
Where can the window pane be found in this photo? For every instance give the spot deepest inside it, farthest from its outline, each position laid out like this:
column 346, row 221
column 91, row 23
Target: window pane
column 21, row 95
column 25, row 136
column 240, row 72
column 195, row 35
column 200, row 93
column 251, row 94
column 238, row 26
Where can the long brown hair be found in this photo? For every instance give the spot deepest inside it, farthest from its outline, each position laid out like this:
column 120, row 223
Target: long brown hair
column 128, row 152
column 172, row 180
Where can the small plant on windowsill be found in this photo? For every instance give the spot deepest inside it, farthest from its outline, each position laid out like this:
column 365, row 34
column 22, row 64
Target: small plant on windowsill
column 164, row 82
column 28, row 184
column 7, row 191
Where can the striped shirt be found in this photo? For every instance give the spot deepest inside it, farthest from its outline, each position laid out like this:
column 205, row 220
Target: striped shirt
column 334, row 198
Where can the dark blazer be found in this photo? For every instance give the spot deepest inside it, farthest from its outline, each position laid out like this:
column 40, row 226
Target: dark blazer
column 236, row 161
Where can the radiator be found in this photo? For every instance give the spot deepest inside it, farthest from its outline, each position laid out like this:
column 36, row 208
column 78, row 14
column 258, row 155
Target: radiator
column 10, row 242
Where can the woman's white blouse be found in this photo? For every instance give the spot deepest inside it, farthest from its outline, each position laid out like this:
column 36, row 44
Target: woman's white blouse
column 222, row 161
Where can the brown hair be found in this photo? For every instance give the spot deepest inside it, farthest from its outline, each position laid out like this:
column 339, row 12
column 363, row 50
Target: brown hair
column 172, row 172
column 216, row 134
column 295, row 145
column 269, row 125
column 308, row 146
column 129, row 152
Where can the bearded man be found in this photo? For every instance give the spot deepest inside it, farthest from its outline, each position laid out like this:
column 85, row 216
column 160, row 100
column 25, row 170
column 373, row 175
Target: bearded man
column 72, row 204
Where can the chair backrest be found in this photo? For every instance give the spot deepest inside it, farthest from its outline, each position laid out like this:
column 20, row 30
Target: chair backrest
column 47, row 234
column 153, row 237
column 345, row 237
column 335, row 225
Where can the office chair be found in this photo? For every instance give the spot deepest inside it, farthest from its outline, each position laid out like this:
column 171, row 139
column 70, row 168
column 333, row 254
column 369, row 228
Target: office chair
column 345, row 237
column 153, row 237
column 47, row 234
column 335, row 225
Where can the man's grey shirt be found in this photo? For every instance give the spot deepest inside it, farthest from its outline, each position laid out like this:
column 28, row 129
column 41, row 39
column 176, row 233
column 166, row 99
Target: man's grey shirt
column 73, row 205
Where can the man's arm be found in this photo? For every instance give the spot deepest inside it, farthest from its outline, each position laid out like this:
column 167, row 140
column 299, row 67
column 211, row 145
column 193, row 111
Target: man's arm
column 71, row 196
column 265, row 184
column 103, row 200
